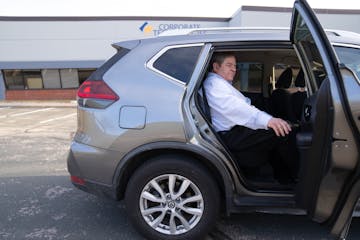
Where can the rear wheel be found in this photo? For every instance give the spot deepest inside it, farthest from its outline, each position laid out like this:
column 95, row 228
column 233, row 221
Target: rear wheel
column 171, row 197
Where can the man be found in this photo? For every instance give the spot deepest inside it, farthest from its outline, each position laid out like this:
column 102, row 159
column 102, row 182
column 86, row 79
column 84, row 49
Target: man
column 245, row 129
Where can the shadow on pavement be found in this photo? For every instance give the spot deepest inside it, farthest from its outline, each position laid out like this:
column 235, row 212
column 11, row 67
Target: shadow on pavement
column 49, row 208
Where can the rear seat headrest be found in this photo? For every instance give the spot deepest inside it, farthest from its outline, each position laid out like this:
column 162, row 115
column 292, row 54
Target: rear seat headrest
column 285, row 78
column 300, row 80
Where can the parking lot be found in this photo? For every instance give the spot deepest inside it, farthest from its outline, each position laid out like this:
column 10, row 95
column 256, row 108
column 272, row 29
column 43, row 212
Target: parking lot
column 36, row 197
column 38, row 201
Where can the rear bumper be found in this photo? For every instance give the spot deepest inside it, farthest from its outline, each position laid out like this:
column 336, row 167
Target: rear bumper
column 98, row 190
column 82, row 168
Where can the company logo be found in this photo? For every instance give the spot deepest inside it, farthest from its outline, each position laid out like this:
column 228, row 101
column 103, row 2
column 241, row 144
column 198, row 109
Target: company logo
column 149, row 29
column 146, row 28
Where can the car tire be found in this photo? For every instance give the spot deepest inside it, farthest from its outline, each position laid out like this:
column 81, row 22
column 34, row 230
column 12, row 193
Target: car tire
column 188, row 212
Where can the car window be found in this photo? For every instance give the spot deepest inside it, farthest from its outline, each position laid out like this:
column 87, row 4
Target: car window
column 313, row 59
column 178, row 63
column 278, row 70
column 249, row 77
column 350, row 57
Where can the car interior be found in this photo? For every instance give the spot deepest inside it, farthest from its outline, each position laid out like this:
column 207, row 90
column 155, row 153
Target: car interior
column 274, row 81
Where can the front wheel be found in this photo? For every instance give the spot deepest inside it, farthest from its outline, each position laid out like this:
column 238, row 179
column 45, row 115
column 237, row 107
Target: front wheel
column 172, row 197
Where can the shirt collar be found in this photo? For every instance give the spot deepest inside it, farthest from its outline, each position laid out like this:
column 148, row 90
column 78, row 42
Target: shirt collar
column 215, row 75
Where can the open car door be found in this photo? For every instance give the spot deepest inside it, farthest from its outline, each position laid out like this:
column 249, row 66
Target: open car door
column 328, row 140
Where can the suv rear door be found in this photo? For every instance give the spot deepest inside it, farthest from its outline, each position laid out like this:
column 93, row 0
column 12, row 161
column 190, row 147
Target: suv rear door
column 328, row 142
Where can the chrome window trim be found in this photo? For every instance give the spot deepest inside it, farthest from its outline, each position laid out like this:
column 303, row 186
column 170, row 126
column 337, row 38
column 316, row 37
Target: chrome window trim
column 150, row 63
column 346, row 45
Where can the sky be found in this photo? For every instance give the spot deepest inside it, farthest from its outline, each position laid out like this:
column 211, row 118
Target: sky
column 178, row 8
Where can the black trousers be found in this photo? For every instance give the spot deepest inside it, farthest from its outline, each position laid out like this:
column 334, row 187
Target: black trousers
column 253, row 148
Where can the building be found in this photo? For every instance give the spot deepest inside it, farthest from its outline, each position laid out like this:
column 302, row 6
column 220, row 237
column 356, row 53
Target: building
column 49, row 57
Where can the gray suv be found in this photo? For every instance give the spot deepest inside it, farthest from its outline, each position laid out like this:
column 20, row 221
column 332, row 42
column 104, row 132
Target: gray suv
column 144, row 132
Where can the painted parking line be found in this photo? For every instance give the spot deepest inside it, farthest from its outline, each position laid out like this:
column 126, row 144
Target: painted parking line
column 3, row 108
column 54, row 119
column 25, row 113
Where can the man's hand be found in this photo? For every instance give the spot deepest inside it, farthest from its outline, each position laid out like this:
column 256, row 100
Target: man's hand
column 280, row 127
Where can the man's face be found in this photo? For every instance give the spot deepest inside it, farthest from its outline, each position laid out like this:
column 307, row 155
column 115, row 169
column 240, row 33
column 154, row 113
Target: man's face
column 227, row 69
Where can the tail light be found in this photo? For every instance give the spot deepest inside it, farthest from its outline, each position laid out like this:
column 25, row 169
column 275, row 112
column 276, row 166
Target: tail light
column 96, row 89
column 77, row 180
column 96, row 94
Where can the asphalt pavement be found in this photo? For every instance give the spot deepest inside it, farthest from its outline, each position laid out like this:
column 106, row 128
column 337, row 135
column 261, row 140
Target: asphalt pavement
column 38, row 202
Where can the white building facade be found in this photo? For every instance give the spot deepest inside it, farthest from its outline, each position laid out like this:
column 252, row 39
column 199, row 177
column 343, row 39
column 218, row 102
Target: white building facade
column 49, row 57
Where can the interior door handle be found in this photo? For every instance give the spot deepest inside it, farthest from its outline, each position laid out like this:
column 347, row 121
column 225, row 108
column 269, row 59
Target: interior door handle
column 307, row 112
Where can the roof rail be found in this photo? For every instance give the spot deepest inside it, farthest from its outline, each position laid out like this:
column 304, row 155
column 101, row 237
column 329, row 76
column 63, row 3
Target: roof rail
column 342, row 33
column 224, row 30
column 216, row 30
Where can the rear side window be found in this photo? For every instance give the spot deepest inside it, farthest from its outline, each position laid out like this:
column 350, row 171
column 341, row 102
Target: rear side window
column 178, row 63
column 249, row 77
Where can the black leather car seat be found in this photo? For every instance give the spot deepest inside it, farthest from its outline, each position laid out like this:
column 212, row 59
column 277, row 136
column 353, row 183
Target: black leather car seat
column 280, row 99
column 299, row 97
column 246, row 161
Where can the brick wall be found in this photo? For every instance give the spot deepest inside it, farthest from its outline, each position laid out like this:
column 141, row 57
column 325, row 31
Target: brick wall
column 48, row 94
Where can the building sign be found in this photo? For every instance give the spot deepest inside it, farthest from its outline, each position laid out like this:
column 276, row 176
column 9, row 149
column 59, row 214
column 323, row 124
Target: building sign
column 150, row 29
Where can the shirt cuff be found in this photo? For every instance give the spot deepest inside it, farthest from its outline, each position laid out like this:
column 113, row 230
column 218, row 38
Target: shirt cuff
column 263, row 119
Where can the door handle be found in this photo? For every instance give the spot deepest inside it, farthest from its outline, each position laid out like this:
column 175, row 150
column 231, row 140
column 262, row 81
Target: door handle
column 307, row 112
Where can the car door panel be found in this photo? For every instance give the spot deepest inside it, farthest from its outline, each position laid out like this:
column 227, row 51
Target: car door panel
column 327, row 143
column 352, row 91
column 342, row 219
column 314, row 148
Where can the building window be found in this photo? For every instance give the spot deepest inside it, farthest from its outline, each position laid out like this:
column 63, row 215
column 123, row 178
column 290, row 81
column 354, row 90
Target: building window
column 32, row 79
column 51, row 78
column 45, row 78
column 69, row 78
column 84, row 74
column 14, row 79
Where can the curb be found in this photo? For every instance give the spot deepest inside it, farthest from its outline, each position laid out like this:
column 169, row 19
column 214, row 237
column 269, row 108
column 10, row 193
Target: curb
column 41, row 104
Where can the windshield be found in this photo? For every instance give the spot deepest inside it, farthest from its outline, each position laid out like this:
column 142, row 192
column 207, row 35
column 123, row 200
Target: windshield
column 350, row 57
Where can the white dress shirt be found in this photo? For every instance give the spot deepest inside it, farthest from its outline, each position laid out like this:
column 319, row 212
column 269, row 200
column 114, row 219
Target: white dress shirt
column 229, row 107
